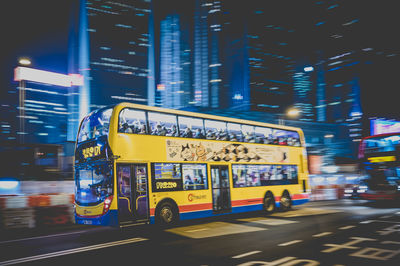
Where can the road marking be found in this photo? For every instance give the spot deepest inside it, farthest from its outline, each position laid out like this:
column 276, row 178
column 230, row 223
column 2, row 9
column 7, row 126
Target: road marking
column 367, row 222
column 267, row 221
column 348, row 245
column 246, row 254
column 196, row 230
column 72, row 251
column 322, row 234
column 385, row 217
column 213, row 229
column 346, row 227
column 290, row 243
column 304, row 212
column 38, row 237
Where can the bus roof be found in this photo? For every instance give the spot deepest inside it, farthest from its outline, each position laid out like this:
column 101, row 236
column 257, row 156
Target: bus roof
column 381, row 135
column 122, row 105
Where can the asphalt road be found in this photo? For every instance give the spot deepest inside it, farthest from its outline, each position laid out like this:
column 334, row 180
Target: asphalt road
column 343, row 232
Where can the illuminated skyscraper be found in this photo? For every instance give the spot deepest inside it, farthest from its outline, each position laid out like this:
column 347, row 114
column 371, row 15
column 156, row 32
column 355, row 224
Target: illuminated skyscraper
column 175, row 90
column 118, row 51
column 208, row 57
column 262, row 58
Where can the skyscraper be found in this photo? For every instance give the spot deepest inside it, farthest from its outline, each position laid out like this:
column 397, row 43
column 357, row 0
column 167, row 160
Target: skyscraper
column 117, row 46
column 208, row 57
column 175, row 86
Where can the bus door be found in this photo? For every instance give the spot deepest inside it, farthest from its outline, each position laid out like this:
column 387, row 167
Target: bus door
column 132, row 193
column 220, row 188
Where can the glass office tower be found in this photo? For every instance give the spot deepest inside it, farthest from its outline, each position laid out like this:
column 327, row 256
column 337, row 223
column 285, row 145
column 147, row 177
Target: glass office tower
column 118, row 44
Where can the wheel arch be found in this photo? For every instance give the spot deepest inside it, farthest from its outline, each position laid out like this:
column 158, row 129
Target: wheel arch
column 167, row 200
column 269, row 192
column 286, row 191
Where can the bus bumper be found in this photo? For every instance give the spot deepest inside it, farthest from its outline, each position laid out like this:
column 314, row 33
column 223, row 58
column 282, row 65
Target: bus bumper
column 108, row 219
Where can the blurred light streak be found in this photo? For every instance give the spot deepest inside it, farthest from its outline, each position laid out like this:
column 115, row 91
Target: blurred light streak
column 8, row 184
column 47, row 77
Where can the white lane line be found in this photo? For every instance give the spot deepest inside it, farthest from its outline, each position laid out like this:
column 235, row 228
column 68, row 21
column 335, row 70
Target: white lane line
column 385, row 217
column 367, row 222
column 347, row 227
column 196, row 230
column 38, row 237
column 323, row 234
column 290, row 243
column 72, row 251
column 246, row 254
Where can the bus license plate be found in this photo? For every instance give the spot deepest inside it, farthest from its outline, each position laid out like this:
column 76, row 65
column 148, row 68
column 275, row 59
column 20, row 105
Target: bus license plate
column 87, row 222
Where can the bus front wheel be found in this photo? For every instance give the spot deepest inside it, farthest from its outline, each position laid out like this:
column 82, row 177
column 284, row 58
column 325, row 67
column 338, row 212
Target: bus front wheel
column 167, row 214
column 269, row 203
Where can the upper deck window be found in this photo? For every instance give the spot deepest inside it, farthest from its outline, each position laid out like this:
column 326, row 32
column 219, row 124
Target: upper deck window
column 191, row 127
column 235, row 132
column 215, row 130
column 132, row 121
column 248, row 133
column 95, row 125
column 163, row 124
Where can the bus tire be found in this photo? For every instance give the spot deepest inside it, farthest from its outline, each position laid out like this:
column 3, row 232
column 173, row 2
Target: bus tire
column 269, row 203
column 286, row 201
column 167, row 214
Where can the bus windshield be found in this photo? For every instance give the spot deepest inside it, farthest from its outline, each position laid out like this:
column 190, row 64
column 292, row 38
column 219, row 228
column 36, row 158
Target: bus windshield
column 95, row 125
column 93, row 183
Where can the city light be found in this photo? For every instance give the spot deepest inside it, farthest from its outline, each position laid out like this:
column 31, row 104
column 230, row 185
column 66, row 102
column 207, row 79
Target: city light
column 24, row 61
column 308, row 69
column 293, row 112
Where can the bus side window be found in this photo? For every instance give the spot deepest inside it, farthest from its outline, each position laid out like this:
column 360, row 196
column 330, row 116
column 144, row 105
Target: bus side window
column 132, row 121
column 190, row 127
column 239, row 172
column 162, row 124
column 235, row 132
column 262, row 134
column 248, row 132
column 215, row 130
column 194, row 176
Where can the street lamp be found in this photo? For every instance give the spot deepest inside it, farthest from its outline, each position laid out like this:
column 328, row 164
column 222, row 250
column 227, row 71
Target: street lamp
column 291, row 113
column 24, row 61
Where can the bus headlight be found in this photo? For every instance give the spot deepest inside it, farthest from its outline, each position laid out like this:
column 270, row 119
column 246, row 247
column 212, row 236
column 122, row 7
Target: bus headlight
column 362, row 189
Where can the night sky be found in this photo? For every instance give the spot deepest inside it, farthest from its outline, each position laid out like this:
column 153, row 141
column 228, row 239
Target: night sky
column 39, row 29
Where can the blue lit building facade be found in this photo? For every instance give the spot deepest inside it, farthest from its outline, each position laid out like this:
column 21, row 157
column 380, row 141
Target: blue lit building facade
column 208, row 53
column 118, row 45
column 175, row 88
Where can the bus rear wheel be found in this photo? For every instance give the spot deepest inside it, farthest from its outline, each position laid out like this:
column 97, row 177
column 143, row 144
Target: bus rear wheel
column 286, row 201
column 269, row 203
column 167, row 214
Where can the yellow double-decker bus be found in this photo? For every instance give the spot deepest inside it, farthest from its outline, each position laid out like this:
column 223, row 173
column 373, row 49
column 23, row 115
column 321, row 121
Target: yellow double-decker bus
column 142, row 164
